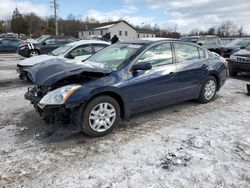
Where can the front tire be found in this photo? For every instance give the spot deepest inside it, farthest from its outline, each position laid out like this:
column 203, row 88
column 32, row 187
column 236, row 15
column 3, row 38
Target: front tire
column 208, row 90
column 100, row 116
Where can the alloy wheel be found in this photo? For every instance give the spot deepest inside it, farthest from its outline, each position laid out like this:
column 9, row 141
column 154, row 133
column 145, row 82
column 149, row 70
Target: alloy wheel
column 210, row 89
column 102, row 117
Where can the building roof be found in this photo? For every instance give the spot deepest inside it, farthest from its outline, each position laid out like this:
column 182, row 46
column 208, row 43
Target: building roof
column 104, row 25
column 145, row 31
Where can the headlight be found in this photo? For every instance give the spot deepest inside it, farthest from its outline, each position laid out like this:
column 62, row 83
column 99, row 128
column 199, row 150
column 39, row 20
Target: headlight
column 233, row 57
column 60, row 95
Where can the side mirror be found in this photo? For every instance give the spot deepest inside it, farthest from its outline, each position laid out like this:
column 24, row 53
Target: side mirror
column 200, row 44
column 43, row 43
column 243, row 47
column 141, row 66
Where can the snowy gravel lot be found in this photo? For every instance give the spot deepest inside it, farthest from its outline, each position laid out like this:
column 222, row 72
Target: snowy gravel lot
column 185, row 145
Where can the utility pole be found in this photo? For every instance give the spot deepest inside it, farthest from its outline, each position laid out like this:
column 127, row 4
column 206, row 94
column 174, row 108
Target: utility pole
column 55, row 6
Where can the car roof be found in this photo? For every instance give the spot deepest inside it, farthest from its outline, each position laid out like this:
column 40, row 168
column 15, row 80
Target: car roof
column 199, row 36
column 148, row 40
column 81, row 42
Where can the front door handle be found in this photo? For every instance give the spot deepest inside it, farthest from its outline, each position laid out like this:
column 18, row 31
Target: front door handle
column 171, row 74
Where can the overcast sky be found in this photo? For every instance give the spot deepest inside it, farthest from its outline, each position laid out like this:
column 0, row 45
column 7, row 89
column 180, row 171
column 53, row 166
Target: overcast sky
column 183, row 14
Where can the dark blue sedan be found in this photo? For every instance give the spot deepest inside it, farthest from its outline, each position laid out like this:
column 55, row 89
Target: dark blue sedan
column 124, row 79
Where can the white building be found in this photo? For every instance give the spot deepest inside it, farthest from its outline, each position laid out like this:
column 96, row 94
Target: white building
column 122, row 29
column 145, row 33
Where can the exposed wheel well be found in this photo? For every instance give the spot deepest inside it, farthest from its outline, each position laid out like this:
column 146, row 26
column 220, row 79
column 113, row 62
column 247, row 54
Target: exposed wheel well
column 116, row 97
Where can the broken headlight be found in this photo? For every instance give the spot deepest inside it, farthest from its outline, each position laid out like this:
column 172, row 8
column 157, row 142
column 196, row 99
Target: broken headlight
column 59, row 95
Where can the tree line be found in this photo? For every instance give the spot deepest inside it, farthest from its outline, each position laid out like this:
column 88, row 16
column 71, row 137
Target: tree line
column 35, row 26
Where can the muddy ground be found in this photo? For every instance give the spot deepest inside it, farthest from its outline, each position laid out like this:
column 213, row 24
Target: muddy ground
column 185, row 145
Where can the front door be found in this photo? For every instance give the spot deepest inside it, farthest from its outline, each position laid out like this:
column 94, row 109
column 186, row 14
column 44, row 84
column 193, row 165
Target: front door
column 155, row 87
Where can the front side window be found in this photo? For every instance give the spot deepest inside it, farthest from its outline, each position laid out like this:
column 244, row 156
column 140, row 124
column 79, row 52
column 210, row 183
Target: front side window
column 81, row 50
column 157, row 55
column 186, row 52
column 61, row 50
column 50, row 41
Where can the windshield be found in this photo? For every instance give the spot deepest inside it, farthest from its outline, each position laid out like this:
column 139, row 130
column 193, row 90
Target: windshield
column 114, row 56
column 61, row 50
column 238, row 42
column 42, row 38
column 248, row 46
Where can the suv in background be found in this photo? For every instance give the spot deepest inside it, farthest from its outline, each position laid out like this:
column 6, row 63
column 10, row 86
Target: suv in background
column 240, row 61
column 9, row 44
column 211, row 42
column 44, row 45
column 234, row 46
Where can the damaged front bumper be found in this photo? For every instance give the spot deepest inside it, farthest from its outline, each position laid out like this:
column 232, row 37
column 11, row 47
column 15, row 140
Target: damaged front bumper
column 50, row 113
column 22, row 71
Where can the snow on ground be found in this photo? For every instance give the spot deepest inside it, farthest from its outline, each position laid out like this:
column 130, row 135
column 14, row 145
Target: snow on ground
column 185, row 145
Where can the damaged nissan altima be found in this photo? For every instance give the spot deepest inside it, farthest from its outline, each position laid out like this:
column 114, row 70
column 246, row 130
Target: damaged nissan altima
column 124, row 79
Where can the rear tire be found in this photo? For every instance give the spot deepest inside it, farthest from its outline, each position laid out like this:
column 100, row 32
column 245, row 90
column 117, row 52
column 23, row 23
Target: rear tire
column 33, row 53
column 100, row 116
column 208, row 90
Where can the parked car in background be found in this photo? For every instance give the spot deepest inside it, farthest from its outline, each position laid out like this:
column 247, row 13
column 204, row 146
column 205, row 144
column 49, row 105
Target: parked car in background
column 76, row 51
column 240, row 61
column 9, row 44
column 211, row 42
column 44, row 45
column 124, row 79
column 234, row 46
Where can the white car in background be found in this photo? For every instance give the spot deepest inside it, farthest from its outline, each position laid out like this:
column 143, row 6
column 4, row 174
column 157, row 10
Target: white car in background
column 74, row 52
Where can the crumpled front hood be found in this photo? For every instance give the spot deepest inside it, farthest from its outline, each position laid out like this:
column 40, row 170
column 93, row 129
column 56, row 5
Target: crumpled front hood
column 244, row 53
column 55, row 70
column 36, row 59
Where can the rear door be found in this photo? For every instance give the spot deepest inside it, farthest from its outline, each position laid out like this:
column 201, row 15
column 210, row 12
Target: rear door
column 192, row 69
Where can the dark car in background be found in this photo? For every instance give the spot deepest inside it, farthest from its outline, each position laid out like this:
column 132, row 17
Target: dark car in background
column 234, row 46
column 239, row 61
column 210, row 42
column 123, row 79
column 9, row 44
column 43, row 45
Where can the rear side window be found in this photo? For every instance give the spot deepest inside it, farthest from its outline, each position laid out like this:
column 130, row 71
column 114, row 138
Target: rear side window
column 158, row 55
column 186, row 52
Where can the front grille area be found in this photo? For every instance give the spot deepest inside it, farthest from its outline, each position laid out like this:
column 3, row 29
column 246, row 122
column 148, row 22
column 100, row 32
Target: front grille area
column 243, row 59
